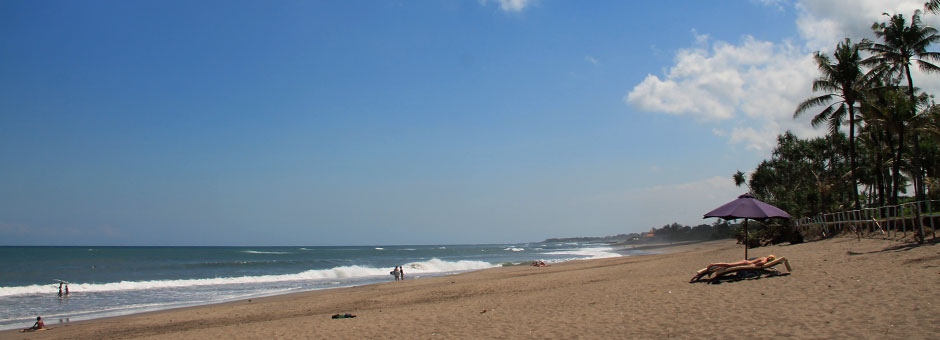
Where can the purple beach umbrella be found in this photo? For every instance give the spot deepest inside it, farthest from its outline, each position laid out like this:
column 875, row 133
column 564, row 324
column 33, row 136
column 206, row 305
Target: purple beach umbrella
column 747, row 207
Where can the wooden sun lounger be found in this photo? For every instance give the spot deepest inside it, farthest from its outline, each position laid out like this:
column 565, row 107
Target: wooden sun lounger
column 717, row 272
column 765, row 266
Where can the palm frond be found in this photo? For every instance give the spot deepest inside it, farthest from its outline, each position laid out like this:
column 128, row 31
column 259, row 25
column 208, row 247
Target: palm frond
column 826, row 85
column 811, row 103
column 823, row 116
column 932, row 6
column 835, row 119
column 927, row 67
column 932, row 56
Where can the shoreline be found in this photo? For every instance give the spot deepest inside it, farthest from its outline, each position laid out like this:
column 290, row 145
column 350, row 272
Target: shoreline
column 617, row 248
column 66, row 319
column 840, row 288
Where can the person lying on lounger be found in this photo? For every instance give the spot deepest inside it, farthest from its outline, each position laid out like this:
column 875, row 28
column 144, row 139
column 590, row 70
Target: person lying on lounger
column 720, row 269
column 758, row 261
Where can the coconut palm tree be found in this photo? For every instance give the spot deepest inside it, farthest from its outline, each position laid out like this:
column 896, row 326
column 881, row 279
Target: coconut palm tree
column 893, row 110
column 739, row 179
column 841, row 82
column 902, row 44
column 875, row 138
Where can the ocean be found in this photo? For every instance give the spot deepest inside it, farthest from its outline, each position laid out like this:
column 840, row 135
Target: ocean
column 110, row 281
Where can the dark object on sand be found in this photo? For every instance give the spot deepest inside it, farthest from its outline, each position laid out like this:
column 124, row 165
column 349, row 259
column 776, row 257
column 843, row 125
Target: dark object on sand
column 343, row 316
column 747, row 207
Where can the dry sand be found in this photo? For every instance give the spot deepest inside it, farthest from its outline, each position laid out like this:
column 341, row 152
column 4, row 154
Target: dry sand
column 839, row 289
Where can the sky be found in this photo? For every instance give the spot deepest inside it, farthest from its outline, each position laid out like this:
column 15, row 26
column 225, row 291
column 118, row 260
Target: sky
column 395, row 122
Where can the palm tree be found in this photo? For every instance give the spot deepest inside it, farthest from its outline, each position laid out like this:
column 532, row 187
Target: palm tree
column 875, row 138
column 739, row 179
column 892, row 108
column 842, row 82
column 891, row 59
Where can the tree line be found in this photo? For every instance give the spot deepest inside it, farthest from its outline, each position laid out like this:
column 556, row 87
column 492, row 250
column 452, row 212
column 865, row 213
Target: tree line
column 670, row 233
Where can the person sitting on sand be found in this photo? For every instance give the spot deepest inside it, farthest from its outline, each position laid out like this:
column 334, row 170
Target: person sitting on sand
column 38, row 325
column 758, row 261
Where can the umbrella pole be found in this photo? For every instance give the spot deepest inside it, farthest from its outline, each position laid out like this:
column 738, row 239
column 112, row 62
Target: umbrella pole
column 745, row 238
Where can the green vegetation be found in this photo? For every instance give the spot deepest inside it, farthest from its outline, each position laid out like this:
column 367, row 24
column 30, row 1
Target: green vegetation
column 893, row 127
column 667, row 233
column 893, row 140
column 893, row 130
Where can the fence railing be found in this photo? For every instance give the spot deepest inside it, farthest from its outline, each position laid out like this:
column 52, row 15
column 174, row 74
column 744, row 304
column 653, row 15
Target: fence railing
column 914, row 217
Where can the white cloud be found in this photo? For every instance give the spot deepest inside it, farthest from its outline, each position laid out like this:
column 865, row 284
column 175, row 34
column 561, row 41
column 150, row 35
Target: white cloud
column 752, row 87
column 778, row 4
column 823, row 23
column 590, row 59
column 753, row 139
column 754, row 81
column 700, row 39
column 511, row 5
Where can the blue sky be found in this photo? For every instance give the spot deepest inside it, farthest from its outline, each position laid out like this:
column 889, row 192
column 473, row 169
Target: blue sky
column 409, row 122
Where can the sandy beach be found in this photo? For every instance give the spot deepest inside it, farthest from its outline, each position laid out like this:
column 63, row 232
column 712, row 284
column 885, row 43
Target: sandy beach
column 839, row 289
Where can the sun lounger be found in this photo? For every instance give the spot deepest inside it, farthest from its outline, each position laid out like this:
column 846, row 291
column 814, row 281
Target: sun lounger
column 762, row 267
column 718, row 271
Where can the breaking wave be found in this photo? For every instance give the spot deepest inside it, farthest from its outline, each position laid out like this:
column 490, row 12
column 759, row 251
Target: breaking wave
column 432, row 266
column 593, row 253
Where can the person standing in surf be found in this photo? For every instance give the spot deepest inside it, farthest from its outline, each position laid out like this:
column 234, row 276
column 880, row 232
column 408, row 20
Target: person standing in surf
column 396, row 273
column 60, row 289
column 401, row 272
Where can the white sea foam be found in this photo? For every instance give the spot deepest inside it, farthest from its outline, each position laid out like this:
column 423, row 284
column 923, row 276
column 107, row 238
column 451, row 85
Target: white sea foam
column 263, row 252
column 439, row 266
column 514, row 249
column 379, row 248
column 346, row 272
column 593, row 253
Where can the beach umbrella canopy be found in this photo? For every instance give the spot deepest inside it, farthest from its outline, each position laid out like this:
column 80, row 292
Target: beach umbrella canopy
column 747, row 207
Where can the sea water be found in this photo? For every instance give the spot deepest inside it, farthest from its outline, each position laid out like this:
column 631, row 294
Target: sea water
column 108, row 281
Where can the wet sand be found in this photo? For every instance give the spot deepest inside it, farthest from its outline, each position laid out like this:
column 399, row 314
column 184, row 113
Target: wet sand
column 839, row 289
